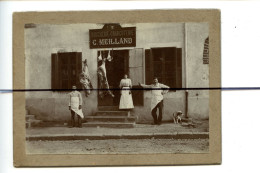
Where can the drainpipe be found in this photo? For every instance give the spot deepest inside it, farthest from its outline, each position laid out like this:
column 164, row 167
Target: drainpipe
column 186, row 71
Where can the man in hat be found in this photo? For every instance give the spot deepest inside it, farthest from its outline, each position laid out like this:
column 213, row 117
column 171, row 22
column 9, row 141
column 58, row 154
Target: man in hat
column 158, row 90
column 75, row 102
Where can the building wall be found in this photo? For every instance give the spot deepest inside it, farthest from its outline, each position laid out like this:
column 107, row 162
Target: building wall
column 43, row 40
column 197, row 72
column 40, row 43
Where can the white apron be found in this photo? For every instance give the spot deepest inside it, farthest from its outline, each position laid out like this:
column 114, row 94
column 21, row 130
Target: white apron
column 75, row 106
column 157, row 93
column 126, row 100
column 156, row 97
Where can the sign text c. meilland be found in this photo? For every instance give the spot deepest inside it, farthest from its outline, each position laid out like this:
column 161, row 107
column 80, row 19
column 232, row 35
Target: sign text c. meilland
column 112, row 35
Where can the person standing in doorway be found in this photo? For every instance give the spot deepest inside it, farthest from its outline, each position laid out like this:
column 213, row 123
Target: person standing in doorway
column 158, row 90
column 75, row 104
column 126, row 100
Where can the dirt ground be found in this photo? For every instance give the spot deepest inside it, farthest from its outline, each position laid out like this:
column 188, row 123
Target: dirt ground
column 122, row 146
column 201, row 126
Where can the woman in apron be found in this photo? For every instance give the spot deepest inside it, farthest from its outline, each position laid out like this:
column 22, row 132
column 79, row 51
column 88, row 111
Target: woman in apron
column 126, row 100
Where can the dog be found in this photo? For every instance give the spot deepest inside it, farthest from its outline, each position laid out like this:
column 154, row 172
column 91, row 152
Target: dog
column 177, row 117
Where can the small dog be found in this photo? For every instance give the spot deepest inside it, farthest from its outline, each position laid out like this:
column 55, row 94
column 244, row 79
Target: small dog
column 177, row 117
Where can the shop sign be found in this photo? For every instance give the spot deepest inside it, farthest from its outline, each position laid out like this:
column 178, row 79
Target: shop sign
column 111, row 36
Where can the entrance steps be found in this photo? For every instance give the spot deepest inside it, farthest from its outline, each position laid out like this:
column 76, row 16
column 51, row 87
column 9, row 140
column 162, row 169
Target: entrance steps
column 31, row 121
column 110, row 116
column 112, row 113
column 110, row 119
column 108, row 124
column 108, row 108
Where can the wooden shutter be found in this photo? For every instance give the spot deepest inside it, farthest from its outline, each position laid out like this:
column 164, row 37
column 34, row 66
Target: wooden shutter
column 136, row 75
column 64, row 70
column 149, row 74
column 147, row 66
column 78, row 68
column 136, row 65
column 179, row 68
column 54, row 71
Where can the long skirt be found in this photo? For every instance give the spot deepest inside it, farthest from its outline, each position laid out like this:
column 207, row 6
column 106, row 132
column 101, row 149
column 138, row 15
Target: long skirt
column 126, row 100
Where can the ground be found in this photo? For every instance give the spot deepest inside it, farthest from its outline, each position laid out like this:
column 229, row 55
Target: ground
column 201, row 126
column 127, row 146
column 166, row 138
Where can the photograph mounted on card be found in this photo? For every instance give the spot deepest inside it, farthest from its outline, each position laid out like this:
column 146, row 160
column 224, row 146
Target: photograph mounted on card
column 116, row 88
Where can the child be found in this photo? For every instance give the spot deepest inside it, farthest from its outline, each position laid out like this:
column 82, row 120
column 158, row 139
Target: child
column 75, row 102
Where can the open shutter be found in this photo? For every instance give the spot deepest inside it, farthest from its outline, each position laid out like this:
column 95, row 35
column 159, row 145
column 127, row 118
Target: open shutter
column 78, row 68
column 54, row 71
column 151, row 67
column 179, row 68
column 148, row 77
column 136, row 65
column 136, row 74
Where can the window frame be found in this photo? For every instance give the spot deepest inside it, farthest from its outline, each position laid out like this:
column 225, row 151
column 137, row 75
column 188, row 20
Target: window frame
column 56, row 70
column 149, row 66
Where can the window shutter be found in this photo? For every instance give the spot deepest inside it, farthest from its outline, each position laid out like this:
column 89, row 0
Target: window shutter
column 148, row 66
column 179, row 68
column 169, row 69
column 136, row 74
column 136, row 65
column 78, row 68
column 54, row 71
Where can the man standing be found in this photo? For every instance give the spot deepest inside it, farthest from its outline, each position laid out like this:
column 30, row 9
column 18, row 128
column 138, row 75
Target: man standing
column 75, row 102
column 158, row 90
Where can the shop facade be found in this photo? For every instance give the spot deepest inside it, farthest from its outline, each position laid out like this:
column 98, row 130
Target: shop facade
column 176, row 53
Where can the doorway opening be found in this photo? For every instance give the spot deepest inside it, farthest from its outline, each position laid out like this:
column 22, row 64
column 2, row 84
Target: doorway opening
column 115, row 70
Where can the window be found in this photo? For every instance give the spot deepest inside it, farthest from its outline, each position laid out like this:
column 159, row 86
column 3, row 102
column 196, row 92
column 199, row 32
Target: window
column 206, row 51
column 165, row 64
column 66, row 68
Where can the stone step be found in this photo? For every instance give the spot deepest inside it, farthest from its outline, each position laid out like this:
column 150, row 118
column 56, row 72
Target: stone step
column 30, row 117
column 33, row 123
column 110, row 118
column 108, row 108
column 112, row 113
column 109, row 124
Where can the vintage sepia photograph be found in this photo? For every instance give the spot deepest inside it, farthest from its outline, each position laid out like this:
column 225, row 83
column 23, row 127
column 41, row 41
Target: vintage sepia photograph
column 108, row 88
column 122, row 88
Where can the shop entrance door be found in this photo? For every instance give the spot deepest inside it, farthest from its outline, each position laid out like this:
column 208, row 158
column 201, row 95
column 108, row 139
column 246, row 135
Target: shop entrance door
column 115, row 70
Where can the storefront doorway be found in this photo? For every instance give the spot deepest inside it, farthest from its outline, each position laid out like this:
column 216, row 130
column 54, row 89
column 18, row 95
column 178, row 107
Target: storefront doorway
column 115, row 70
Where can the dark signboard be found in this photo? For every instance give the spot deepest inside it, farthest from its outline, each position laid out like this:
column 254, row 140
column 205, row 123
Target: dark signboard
column 112, row 35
